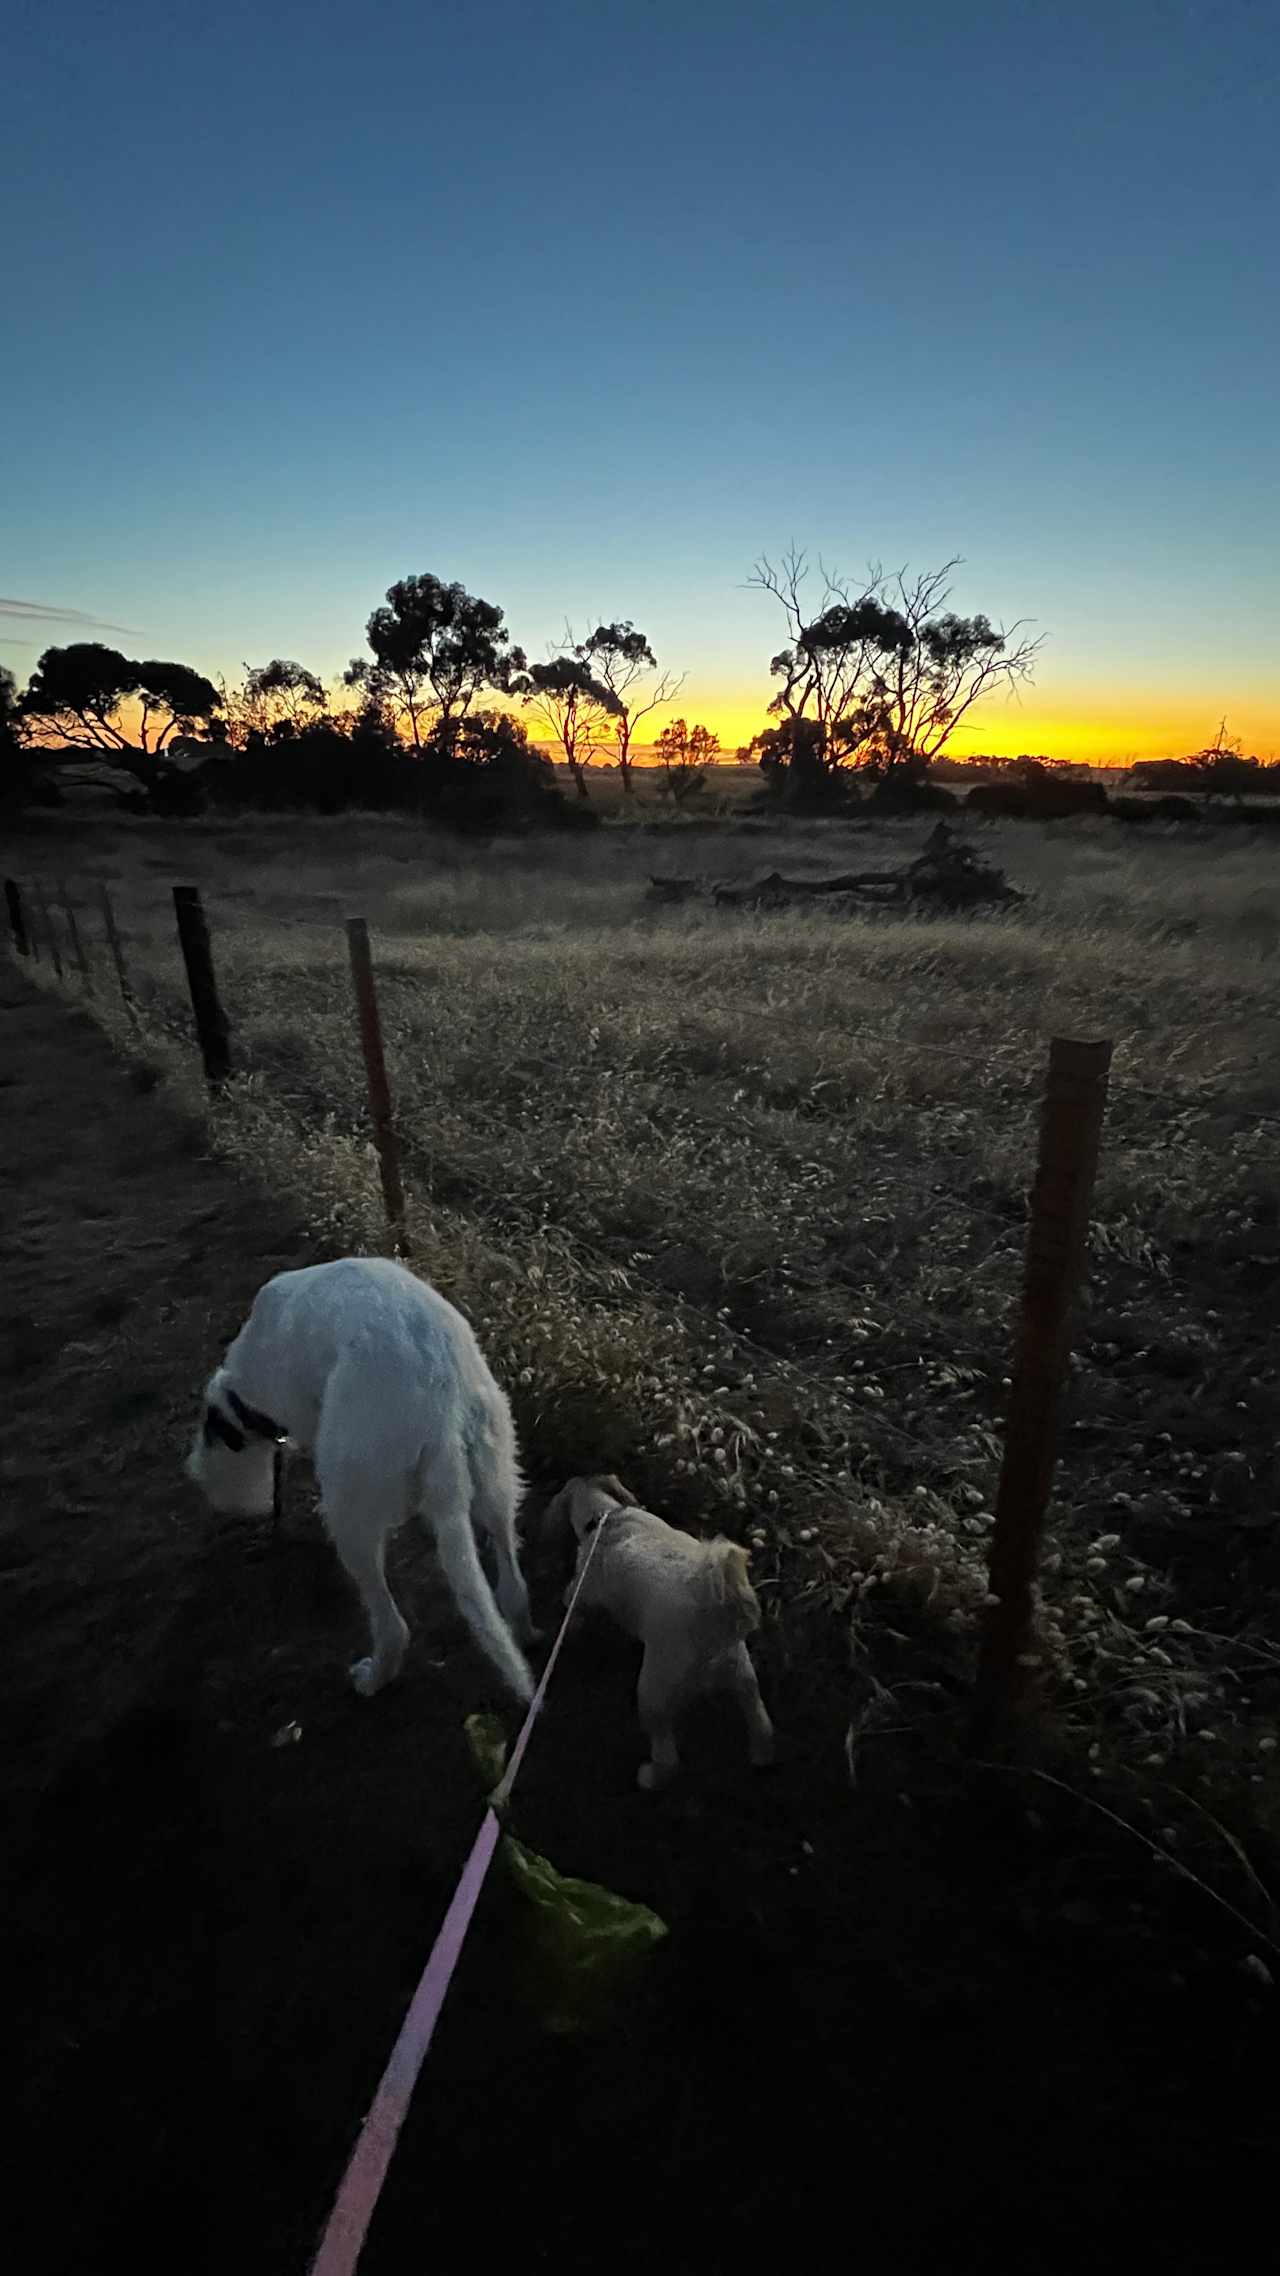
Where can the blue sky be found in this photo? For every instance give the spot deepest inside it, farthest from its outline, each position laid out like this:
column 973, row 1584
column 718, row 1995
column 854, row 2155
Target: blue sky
column 586, row 305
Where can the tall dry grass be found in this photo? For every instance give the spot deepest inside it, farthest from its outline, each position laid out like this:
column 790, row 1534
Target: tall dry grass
column 737, row 1202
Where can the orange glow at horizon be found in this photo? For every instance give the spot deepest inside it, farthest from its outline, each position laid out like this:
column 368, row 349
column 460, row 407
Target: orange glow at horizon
column 1113, row 731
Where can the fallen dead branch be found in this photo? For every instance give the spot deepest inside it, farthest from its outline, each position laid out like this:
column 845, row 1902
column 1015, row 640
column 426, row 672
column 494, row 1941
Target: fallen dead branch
column 947, row 873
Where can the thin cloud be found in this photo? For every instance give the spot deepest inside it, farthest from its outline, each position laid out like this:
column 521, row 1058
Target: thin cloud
column 30, row 612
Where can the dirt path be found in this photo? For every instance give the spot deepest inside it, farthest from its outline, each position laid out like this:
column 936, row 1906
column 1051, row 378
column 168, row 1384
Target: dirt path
column 878, row 2027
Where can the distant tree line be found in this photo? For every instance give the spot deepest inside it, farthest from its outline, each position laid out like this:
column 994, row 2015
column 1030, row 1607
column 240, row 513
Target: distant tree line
column 1176, row 790
column 434, row 722
column 1221, row 770
column 873, row 681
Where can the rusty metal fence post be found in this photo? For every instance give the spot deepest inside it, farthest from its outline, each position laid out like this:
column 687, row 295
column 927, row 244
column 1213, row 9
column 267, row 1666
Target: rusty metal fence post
column 375, row 1067
column 78, row 957
column 50, row 931
column 1070, row 1134
column 212, row 1026
column 116, row 946
column 17, row 916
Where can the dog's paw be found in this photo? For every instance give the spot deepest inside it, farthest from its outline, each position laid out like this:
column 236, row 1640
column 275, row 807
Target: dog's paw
column 764, row 1754
column 365, row 1679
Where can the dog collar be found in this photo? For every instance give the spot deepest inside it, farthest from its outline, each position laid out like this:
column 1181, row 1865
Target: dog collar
column 254, row 1424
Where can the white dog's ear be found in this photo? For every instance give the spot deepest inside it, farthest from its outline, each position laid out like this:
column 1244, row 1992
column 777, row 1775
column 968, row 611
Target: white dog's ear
column 616, row 1491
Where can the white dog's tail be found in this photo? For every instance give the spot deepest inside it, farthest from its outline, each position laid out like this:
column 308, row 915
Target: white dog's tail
column 446, row 1483
column 475, row 1601
column 732, row 1606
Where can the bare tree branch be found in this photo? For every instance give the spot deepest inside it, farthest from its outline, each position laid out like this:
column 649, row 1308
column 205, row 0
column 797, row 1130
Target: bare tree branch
column 620, row 658
column 885, row 675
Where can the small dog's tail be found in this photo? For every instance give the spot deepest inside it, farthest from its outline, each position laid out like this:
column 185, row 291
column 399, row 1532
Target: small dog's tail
column 732, row 1607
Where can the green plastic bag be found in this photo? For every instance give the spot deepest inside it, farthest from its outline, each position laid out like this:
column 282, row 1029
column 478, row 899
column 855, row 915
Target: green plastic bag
column 580, row 1942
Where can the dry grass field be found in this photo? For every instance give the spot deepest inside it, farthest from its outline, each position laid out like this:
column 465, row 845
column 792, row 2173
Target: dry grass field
column 737, row 1205
column 737, row 1202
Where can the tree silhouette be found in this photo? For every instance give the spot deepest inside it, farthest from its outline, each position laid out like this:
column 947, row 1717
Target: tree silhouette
column 8, row 714
column 685, row 753
column 82, row 696
column 22, row 781
column 482, row 773
column 619, row 657
column 574, row 705
column 885, row 674
column 1221, row 769
column 946, row 664
column 434, row 647
column 274, row 702
column 791, row 759
column 835, row 667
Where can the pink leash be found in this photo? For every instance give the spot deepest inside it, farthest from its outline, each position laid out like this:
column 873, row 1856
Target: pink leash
column 353, row 2207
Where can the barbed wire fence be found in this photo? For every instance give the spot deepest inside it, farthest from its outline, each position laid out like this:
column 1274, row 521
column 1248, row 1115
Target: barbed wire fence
column 1074, row 1091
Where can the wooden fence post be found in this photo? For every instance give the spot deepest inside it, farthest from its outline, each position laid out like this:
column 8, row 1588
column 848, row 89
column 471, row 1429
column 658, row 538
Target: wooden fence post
column 78, row 957
column 375, row 1067
column 1070, row 1133
column 17, row 916
column 50, row 932
column 116, row 946
column 212, row 1026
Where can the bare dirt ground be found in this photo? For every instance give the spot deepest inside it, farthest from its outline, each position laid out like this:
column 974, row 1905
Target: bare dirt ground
column 910, row 2022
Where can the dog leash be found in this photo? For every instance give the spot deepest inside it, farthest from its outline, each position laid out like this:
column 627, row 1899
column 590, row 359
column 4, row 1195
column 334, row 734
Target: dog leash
column 353, row 2207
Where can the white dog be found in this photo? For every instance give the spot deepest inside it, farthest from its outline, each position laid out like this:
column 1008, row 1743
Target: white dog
column 690, row 1603
column 366, row 1368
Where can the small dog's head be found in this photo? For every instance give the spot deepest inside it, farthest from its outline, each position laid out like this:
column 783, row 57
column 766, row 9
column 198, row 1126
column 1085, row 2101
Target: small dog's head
column 235, row 1472
column 584, row 1501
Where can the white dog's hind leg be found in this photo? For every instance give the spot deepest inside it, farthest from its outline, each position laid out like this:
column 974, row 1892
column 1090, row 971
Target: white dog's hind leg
column 360, row 1541
column 740, row 1679
column 513, row 1596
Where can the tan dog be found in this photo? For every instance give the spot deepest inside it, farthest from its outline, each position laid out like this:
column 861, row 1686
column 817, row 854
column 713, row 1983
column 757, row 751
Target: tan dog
column 690, row 1603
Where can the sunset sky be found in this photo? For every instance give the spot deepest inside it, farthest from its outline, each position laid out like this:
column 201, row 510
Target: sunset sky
column 587, row 304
